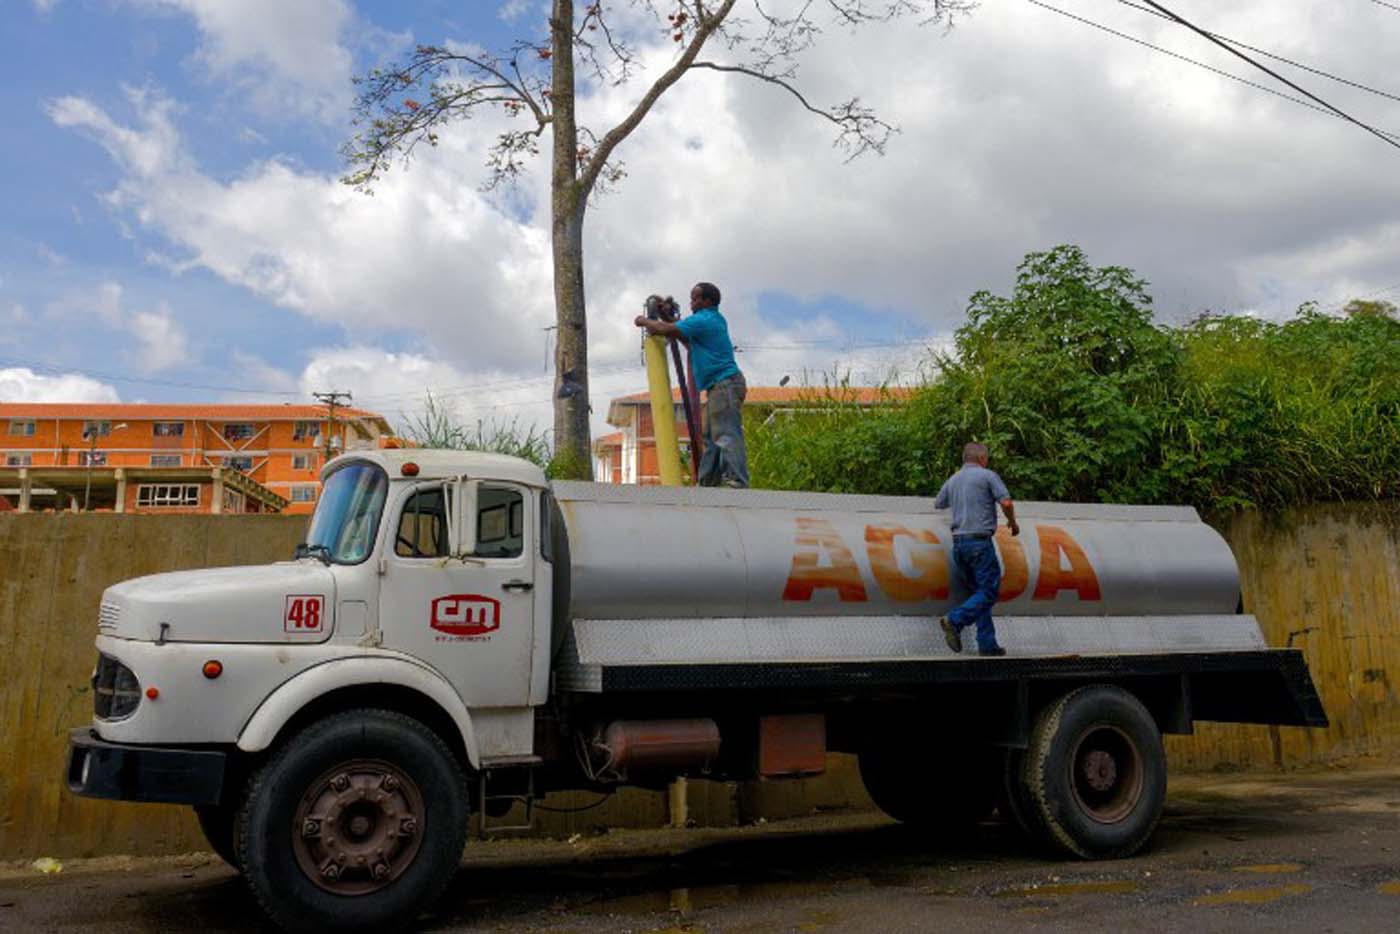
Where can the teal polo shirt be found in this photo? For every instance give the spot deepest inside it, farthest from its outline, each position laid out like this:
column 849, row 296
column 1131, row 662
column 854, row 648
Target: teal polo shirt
column 711, row 352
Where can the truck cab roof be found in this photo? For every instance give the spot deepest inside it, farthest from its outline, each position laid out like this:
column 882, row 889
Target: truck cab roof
column 440, row 464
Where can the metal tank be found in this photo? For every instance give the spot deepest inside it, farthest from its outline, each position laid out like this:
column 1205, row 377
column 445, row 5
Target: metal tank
column 686, row 575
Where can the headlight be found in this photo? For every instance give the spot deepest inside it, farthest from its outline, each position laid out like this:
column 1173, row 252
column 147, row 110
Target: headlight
column 115, row 690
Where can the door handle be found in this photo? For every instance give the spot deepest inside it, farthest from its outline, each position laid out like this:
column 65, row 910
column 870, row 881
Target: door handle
column 520, row 585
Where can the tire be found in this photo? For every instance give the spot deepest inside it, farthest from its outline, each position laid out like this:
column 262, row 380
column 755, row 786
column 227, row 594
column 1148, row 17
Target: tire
column 1014, row 798
column 929, row 793
column 1095, row 773
column 218, row 823
column 357, row 823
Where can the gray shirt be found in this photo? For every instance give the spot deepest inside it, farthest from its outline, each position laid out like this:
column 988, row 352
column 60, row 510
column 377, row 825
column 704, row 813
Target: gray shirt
column 972, row 493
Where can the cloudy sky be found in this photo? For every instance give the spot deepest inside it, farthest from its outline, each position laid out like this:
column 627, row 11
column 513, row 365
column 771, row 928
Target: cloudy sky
column 174, row 228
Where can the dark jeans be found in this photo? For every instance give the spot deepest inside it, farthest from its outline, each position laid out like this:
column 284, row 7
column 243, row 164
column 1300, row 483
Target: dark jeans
column 724, row 460
column 976, row 561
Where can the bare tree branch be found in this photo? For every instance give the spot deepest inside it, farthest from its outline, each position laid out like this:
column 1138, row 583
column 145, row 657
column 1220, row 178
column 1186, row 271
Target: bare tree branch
column 861, row 130
column 707, row 23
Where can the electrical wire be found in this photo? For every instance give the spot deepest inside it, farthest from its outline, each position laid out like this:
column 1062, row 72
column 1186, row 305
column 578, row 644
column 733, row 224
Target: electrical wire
column 1384, row 137
column 1275, row 57
column 1389, row 137
column 1387, row 5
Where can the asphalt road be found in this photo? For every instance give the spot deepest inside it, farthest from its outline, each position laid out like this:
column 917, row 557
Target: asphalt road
column 1302, row 852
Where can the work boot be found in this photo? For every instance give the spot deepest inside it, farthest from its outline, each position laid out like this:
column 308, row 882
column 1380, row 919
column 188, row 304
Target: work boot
column 995, row 651
column 950, row 634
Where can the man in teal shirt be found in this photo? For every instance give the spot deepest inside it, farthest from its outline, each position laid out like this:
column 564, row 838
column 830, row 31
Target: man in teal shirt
column 724, row 461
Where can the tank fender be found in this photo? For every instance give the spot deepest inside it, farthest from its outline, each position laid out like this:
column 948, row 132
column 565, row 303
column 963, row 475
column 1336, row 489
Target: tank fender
column 290, row 697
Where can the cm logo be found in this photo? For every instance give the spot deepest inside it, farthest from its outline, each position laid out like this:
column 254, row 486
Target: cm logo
column 466, row 614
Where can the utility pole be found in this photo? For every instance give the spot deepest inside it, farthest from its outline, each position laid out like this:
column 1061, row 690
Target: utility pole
column 332, row 400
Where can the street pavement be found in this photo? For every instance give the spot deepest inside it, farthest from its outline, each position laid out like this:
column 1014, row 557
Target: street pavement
column 1316, row 851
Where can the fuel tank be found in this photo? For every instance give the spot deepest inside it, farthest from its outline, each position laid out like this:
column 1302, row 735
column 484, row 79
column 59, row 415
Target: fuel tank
column 647, row 552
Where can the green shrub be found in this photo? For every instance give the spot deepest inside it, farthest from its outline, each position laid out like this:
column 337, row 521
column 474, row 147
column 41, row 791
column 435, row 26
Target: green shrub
column 1082, row 397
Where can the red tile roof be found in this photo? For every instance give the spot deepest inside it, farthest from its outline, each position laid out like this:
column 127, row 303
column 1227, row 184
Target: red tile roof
column 609, row 441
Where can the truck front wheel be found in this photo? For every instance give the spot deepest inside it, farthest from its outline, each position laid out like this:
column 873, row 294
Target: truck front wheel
column 357, row 823
column 217, row 821
column 1095, row 773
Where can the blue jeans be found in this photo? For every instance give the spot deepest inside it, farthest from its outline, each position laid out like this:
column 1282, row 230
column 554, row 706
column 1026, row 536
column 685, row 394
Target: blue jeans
column 976, row 561
column 724, row 459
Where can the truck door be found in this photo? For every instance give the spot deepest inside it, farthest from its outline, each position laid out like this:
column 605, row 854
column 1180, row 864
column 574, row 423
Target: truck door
column 472, row 619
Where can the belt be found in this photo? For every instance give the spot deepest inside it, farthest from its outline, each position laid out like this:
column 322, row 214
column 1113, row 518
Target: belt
column 972, row 535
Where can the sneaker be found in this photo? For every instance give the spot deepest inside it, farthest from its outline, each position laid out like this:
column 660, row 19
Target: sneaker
column 995, row 651
column 950, row 634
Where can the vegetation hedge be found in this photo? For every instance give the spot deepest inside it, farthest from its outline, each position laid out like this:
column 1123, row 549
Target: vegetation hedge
column 1082, row 397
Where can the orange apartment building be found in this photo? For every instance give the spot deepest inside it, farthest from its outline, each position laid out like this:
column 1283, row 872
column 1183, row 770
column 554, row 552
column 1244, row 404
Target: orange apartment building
column 175, row 458
column 629, row 455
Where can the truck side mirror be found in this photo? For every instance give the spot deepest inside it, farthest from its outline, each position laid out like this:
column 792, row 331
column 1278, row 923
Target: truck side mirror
column 461, row 518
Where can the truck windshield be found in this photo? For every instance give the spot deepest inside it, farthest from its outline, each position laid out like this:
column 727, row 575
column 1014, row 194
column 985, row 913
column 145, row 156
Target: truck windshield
column 347, row 515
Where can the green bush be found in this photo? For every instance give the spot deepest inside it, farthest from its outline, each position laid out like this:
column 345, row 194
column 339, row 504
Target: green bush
column 1082, row 397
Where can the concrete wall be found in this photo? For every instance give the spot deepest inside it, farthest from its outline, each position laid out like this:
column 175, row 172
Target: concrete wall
column 1326, row 574
column 1328, row 579
column 53, row 569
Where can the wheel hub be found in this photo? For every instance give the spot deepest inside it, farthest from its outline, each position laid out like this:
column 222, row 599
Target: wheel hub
column 1106, row 773
column 358, row 827
column 1100, row 770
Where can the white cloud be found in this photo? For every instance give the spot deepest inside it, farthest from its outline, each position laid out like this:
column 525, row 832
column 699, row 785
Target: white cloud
column 43, row 7
column 288, row 57
column 51, row 256
column 163, row 342
column 257, row 373
column 21, row 384
column 1021, row 130
column 513, row 10
column 160, row 341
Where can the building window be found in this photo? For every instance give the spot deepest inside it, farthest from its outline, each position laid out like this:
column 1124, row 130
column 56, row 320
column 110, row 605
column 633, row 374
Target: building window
column 97, row 429
column 166, row 460
column 303, row 461
column 169, row 429
column 22, row 426
column 303, row 430
column 304, row 493
column 239, row 462
column 238, row 431
column 92, row 458
column 167, row 494
column 19, row 460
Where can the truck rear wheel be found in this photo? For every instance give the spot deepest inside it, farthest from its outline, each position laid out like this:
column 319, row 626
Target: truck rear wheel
column 357, row 823
column 217, row 822
column 1095, row 773
column 1014, row 797
column 925, row 791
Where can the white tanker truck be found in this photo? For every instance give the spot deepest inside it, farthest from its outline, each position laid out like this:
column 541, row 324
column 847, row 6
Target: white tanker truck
column 458, row 634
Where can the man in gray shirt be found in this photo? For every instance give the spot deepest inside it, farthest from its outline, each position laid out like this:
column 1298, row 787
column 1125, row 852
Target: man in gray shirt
column 973, row 494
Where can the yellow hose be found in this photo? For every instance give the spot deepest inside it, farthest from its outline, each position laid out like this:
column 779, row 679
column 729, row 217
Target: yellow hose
column 663, row 412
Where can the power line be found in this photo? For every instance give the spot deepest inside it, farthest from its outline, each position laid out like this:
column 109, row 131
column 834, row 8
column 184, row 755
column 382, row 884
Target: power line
column 1275, row 57
column 1388, row 5
column 1383, row 137
column 1191, row 61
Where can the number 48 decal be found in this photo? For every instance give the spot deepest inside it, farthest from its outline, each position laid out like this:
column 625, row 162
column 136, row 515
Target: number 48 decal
column 305, row 613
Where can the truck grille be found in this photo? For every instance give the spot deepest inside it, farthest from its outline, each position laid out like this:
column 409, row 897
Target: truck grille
column 108, row 615
column 115, row 690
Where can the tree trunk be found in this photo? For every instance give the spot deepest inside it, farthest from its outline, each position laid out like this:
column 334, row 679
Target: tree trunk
column 572, row 450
